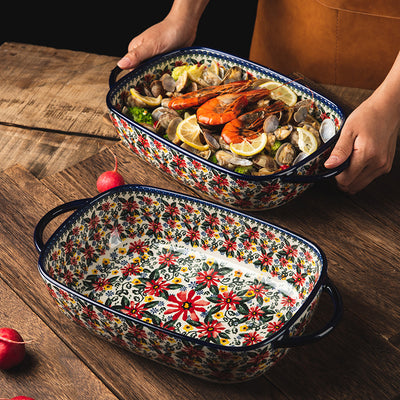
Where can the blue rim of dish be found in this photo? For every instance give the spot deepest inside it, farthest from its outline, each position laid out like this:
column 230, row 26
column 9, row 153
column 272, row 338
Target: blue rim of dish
column 87, row 204
column 187, row 51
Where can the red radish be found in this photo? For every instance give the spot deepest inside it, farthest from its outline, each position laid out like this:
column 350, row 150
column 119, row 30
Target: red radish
column 12, row 348
column 20, row 398
column 110, row 179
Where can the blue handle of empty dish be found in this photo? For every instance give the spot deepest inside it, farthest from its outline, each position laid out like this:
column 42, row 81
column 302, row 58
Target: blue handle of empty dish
column 112, row 80
column 55, row 212
column 293, row 341
column 329, row 173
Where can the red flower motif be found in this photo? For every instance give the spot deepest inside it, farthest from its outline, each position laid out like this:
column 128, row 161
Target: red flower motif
column 89, row 313
column 105, row 206
column 241, row 183
column 196, row 164
column 230, row 245
column 138, row 333
column 212, row 220
column 100, row 284
column 130, row 269
column 287, row 301
column 137, row 247
column 308, row 256
column 201, row 187
column 168, row 259
column 156, row 227
column 274, row 326
column 186, row 303
column 252, row 338
column 220, row 181
column 247, row 245
column 172, row 210
column 154, row 288
column 143, row 141
column 210, row 329
column 130, row 206
column 189, row 208
column 94, row 222
column 210, row 277
column 68, row 277
column 298, row 279
column 193, row 235
column 89, row 252
column 265, row 259
column 255, row 312
column 228, row 300
column 229, row 220
column 259, row 290
column 134, row 309
column 252, row 233
column 290, row 251
column 68, row 246
column 283, row 261
column 180, row 162
column 271, row 188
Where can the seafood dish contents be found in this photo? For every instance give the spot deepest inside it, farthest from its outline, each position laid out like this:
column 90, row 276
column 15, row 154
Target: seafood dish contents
column 226, row 116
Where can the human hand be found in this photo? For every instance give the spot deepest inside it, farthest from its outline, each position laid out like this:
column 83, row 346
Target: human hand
column 177, row 29
column 369, row 136
column 157, row 39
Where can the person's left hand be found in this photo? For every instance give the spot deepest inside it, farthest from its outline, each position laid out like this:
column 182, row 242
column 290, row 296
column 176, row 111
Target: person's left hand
column 369, row 136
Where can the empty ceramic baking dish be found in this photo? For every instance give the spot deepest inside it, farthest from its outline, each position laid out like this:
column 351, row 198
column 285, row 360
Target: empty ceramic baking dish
column 193, row 285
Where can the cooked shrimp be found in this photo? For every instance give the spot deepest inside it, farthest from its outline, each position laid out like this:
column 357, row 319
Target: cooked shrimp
column 225, row 108
column 250, row 124
column 198, row 97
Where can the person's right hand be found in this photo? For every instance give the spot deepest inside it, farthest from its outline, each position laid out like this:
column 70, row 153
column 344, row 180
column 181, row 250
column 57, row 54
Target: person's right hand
column 178, row 29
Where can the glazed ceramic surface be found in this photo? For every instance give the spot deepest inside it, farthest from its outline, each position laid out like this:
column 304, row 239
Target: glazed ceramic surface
column 245, row 192
column 193, row 285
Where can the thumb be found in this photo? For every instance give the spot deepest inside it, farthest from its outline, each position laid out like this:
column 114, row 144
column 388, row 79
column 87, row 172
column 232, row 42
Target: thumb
column 139, row 50
column 131, row 59
column 342, row 150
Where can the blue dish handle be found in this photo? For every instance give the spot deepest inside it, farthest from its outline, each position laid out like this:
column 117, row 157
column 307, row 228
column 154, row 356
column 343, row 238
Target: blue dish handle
column 55, row 212
column 112, row 80
column 293, row 341
column 329, row 173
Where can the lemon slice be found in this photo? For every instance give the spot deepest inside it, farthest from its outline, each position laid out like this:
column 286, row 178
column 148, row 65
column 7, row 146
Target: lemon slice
column 280, row 91
column 307, row 141
column 249, row 147
column 150, row 101
column 195, row 73
column 189, row 132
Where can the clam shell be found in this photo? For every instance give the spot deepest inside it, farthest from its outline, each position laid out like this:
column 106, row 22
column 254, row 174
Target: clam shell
column 286, row 154
column 327, row 130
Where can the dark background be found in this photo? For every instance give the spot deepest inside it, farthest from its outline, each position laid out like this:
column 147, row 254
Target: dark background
column 108, row 27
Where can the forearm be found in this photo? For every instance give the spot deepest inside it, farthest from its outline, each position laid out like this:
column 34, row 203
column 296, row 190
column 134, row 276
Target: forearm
column 188, row 11
column 387, row 95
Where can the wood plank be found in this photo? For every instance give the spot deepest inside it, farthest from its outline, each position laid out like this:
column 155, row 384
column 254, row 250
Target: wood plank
column 64, row 90
column 80, row 180
column 141, row 378
column 45, row 153
column 50, row 370
column 352, row 363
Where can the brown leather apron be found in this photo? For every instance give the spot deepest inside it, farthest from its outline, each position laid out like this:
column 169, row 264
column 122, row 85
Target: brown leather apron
column 343, row 42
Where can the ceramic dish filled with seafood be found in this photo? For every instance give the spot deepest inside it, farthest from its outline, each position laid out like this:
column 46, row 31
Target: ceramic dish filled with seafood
column 185, row 282
column 233, row 130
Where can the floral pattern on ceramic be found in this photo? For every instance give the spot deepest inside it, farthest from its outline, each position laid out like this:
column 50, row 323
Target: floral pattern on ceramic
column 184, row 282
column 210, row 180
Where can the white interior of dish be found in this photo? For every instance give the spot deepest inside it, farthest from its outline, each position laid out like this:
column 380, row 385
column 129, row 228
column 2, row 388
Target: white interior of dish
column 185, row 265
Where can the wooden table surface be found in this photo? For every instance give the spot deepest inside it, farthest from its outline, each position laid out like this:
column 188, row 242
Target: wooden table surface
column 54, row 142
